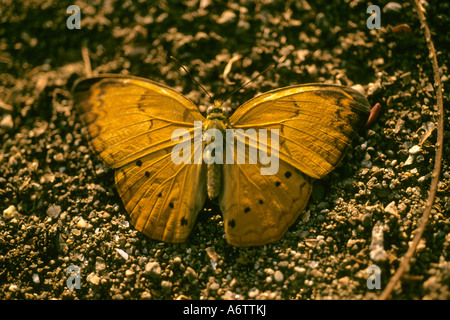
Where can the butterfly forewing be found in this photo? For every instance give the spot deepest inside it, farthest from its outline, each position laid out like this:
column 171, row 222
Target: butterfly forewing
column 129, row 123
column 128, row 117
column 316, row 123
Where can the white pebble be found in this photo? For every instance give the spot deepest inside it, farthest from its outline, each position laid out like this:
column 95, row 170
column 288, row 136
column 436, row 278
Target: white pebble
column 253, row 293
column 377, row 252
column 278, row 276
column 409, row 161
column 9, row 212
column 36, row 278
column 82, row 224
column 13, row 288
column 415, row 149
column 7, row 122
column 93, row 278
column 359, row 88
column 122, row 253
column 391, row 208
column 300, row 270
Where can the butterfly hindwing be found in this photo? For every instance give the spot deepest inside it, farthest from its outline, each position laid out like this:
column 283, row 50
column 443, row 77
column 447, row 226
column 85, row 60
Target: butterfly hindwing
column 129, row 123
column 162, row 198
column 259, row 209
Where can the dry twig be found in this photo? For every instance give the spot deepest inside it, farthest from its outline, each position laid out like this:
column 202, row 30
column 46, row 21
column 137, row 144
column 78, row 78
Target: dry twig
column 437, row 163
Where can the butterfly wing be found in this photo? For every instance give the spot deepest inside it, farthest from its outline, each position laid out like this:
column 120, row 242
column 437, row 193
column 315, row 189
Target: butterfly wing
column 259, row 209
column 316, row 124
column 129, row 123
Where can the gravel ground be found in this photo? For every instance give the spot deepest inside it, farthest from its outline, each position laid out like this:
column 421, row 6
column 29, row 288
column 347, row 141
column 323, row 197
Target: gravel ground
column 59, row 206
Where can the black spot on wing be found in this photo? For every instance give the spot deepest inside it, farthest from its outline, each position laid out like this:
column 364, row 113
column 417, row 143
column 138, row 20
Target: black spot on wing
column 231, row 223
column 247, row 210
column 139, row 163
column 147, row 174
column 184, row 221
column 277, row 184
column 260, row 201
column 171, row 205
column 288, row 174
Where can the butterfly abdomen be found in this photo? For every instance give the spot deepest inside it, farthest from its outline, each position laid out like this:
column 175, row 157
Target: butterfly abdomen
column 214, row 151
column 214, row 178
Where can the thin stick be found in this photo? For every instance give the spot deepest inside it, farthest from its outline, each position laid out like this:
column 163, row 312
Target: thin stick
column 227, row 69
column 86, row 60
column 437, row 163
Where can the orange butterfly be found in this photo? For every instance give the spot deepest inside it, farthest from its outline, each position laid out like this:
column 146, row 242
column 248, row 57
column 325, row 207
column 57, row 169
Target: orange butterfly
column 130, row 123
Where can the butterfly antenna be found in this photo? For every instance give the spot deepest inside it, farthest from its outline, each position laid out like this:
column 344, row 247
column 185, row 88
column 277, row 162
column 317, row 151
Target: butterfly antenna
column 250, row 81
column 189, row 74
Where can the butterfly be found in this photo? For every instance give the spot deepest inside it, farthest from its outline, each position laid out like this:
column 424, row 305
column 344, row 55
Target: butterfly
column 129, row 123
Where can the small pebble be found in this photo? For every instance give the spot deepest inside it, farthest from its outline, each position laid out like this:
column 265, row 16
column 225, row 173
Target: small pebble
column 35, row 278
column 226, row 17
column 415, row 150
column 359, row 88
column 300, row 270
column 253, row 293
column 82, row 224
column 122, row 253
column 129, row 273
column 214, row 286
column 377, row 252
column 7, row 122
column 13, row 288
column 392, row 7
column 166, row 285
column 190, row 274
column 146, row 295
column 100, row 264
column 53, row 211
column 409, row 161
column 278, row 276
column 94, row 279
column 9, row 212
column 391, row 209
column 177, row 260
column 153, row 269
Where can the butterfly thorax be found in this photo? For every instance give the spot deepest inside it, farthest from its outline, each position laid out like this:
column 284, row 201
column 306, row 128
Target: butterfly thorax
column 215, row 120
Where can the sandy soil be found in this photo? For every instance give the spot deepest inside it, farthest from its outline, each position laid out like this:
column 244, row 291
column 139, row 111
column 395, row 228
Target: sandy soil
column 66, row 209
